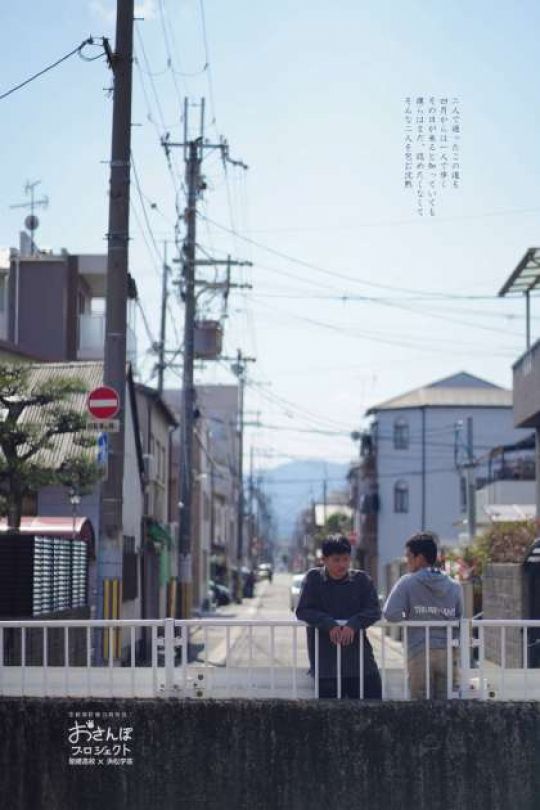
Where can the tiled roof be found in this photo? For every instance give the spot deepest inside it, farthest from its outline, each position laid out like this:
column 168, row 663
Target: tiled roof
column 459, row 391
column 90, row 375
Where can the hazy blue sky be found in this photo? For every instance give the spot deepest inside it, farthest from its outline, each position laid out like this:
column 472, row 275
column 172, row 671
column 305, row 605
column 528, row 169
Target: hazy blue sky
column 310, row 95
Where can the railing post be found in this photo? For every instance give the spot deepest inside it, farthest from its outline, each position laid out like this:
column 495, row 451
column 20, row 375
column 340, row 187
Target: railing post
column 464, row 657
column 169, row 656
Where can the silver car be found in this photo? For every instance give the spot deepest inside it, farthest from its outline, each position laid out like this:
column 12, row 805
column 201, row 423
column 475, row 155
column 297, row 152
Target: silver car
column 296, row 587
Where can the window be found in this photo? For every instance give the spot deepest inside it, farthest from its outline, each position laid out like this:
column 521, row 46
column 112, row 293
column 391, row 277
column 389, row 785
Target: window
column 401, row 434
column 401, row 496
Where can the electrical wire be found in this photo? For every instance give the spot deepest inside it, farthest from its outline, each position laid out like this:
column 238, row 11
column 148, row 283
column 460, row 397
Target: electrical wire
column 317, row 268
column 77, row 50
column 409, row 342
column 208, row 69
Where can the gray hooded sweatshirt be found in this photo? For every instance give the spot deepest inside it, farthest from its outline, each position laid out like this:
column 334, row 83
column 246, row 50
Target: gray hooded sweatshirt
column 427, row 595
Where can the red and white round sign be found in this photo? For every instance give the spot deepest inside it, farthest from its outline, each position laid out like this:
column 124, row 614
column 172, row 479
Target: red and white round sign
column 103, row 402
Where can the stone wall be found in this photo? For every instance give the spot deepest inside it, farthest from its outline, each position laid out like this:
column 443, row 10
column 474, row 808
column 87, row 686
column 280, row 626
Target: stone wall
column 278, row 755
column 504, row 596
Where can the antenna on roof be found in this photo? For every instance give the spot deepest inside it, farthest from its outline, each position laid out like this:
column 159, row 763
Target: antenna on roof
column 31, row 222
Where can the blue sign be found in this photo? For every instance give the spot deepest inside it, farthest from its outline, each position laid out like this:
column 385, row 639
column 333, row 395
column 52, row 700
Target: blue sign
column 103, row 449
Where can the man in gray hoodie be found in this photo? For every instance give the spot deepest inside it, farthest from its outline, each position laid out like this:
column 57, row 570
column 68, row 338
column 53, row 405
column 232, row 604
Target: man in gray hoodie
column 425, row 594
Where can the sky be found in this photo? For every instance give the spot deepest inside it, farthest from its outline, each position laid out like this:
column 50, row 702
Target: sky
column 355, row 297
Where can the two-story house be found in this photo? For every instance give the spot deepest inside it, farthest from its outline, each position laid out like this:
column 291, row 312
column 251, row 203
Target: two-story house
column 412, row 448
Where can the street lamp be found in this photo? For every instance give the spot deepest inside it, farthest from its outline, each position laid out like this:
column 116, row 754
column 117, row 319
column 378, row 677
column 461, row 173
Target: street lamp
column 74, row 499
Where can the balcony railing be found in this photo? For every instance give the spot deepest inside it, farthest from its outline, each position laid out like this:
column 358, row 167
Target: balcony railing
column 91, row 343
column 496, row 659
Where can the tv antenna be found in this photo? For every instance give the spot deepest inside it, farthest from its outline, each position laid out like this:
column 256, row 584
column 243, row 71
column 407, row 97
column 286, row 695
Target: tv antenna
column 31, row 222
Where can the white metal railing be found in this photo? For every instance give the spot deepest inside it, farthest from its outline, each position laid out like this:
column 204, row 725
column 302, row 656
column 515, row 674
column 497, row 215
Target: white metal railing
column 479, row 658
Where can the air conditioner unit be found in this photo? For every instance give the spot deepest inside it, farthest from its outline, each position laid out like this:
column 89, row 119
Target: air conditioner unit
column 150, row 467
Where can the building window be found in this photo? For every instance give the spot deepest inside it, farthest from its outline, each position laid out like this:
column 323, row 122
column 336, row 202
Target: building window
column 401, row 496
column 401, row 434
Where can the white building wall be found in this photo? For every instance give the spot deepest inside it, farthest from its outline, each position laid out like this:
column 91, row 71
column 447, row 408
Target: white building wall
column 491, row 427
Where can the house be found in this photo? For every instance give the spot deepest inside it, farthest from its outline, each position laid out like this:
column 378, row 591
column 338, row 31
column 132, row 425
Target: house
column 52, row 306
column 508, row 493
column 523, row 281
column 215, row 484
column 160, row 526
column 409, row 470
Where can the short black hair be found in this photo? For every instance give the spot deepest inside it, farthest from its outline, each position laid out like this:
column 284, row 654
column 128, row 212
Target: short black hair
column 335, row 544
column 424, row 543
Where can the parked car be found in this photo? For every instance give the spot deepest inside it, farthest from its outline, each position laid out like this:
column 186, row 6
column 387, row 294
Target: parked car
column 265, row 571
column 296, row 587
column 222, row 594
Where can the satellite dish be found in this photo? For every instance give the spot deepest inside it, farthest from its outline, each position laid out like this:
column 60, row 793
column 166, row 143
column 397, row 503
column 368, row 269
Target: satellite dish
column 31, row 222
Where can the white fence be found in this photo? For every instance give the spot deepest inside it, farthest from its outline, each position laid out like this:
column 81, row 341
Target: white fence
column 485, row 659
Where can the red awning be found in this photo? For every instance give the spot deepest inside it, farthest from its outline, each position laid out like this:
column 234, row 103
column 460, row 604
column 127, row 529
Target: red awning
column 54, row 527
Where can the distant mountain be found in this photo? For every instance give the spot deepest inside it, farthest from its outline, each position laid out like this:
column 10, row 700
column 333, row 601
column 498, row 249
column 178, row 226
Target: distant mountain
column 294, row 485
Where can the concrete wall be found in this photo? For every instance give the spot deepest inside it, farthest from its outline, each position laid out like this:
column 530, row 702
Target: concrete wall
column 277, row 755
column 504, row 596
column 442, row 507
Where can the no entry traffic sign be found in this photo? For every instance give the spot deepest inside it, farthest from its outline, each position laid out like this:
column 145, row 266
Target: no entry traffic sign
column 103, row 402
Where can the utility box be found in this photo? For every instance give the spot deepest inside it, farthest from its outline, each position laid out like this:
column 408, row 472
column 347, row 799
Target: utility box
column 208, row 340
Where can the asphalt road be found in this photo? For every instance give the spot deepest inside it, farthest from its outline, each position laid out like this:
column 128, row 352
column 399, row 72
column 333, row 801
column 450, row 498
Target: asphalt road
column 253, row 646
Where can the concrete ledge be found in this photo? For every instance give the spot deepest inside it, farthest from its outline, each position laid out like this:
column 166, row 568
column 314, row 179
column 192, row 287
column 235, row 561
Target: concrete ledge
column 277, row 755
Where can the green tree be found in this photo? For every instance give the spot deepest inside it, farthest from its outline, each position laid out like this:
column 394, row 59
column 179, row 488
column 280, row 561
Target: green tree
column 33, row 415
column 338, row 523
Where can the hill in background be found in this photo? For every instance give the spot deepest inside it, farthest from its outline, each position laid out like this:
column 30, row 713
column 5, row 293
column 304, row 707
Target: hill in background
column 294, row 485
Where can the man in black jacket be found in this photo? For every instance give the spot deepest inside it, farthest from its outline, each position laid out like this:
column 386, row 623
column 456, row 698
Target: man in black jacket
column 340, row 602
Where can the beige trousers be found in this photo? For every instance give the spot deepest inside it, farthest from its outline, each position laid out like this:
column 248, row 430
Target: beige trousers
column 438, row 679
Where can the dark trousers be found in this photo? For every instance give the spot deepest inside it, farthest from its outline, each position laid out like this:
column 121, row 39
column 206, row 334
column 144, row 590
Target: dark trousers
column 350, row 687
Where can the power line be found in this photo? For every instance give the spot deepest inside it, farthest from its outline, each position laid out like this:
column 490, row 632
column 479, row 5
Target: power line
column 207, row 65
column 170, row 63
column 77, row 50
column 393, row 223
column 323, row 270
column 409, row 342
column 152, row 248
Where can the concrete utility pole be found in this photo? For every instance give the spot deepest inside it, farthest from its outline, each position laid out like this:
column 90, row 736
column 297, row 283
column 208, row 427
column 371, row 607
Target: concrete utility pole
column 185, row 569
column 239, row 370
column 471, row 481
column 163, row 324
column 193, row 153
column 114, row 373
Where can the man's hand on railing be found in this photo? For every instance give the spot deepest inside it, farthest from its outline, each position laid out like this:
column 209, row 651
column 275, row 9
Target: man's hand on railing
column 335, row 635
column 347, row 636
column 342, row 635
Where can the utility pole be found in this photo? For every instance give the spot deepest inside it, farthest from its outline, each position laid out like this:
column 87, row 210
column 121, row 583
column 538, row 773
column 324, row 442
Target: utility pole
column 325, row 494
column 471, row 482
column 469, row 466
column 193, row 153
column 164, row 296
column 185, row 568
column 114, row 372
column 239, row 370
column 251, row 510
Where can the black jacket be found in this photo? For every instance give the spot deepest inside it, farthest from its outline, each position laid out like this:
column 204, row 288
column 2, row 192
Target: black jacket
column 325, row 600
